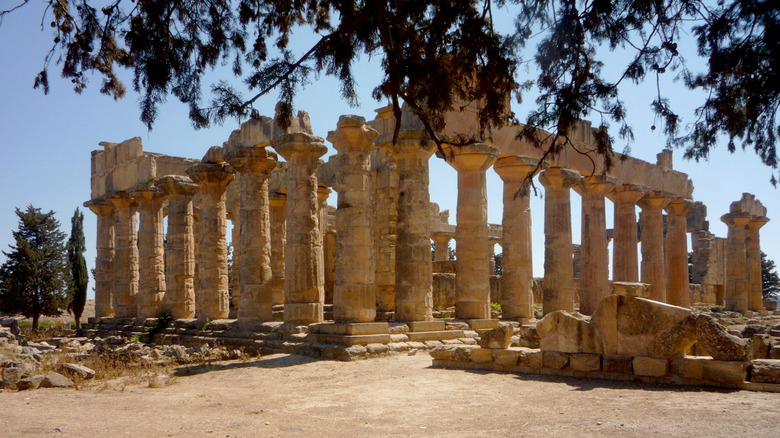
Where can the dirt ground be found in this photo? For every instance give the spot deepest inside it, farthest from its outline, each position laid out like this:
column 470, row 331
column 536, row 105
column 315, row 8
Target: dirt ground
column 282, row 395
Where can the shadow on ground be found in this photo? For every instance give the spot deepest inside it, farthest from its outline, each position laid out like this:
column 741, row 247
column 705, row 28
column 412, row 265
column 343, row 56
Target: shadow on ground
column 277, row 361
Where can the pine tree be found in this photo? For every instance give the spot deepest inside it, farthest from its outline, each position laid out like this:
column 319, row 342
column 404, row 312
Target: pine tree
column 769, row 277
column 78, row 267
column 34, row 279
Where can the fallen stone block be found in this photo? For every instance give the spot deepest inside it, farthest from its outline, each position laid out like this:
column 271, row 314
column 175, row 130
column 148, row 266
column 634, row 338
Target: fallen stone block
column 765, row 371
column 650, row 366
column 55, row 380
column 12, row 376
column 718, row 342
column 78, row 370
column 33, row 382
column 760, row 346
column 497, row 338
column 640, row 322
column 673, row 342
column 568, row 333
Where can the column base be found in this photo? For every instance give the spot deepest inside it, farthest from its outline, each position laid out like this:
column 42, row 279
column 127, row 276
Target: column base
column 303, row 313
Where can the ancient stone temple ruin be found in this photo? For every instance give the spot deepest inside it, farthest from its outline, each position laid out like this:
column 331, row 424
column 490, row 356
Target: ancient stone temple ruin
column 360, row 279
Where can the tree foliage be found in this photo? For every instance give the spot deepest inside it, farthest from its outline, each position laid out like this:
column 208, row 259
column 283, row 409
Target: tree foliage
column 34, row 278
column 769, row 277
column 79, row 278
column 436, row 55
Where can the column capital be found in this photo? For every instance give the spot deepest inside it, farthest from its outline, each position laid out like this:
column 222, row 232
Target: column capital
column 322, row 193
column 655, row 199
column 517, row 167
column 627, row 194
column 679, row 206
column 146, row 192
column 299, row 146
column 253, row 160
column 100, row 207
column 206, row 174
column 559, row 178
column 352, row 133
column 757, row 222
column 472, row 157
column 176, row 185
column 122, row 200
column 596, row 185
column 414, row 147
column 737, row 219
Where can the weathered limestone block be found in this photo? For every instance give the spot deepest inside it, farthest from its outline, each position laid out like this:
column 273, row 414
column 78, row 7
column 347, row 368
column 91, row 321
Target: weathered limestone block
column 594, row 254
column 304, row 279
column 716, row 340
column 151, row 252
column 586, row 362
column 443, row 290
column 473, row 282
column 765, row 371
column 506, row 357
column 613, row 363
column 481, row 355
column 653, row 269
column 641, row 290
column 498, row 338
column 564, row 332
column 531, row 358
column 354, row 293
column 104, row 262
column 760, row 345
column 558, row 249
column 673, row 342
column 180, row 255
column 126, row 259
column 689, row 367
column 212, row 292
column 555, row 360
column 720, row 371
column 517, row 299
column 650, row 366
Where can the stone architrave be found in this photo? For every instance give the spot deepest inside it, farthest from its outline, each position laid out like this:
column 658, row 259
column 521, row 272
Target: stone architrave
column 277, row 206
column 413, row 265
column 653, row 260
column 180, row 247
column 211, row 295
column 594, row 254
column 625, row 258
column 737, row 289
column 755, row 285
column 126, row 259
column 441, row 245
column 304, row 277
column 676, row 245
column 254, row 166
column 104, row 262
column 472, row 284
column 558, row 285
column 517, row 298
column 151, row 250
column 354, row 294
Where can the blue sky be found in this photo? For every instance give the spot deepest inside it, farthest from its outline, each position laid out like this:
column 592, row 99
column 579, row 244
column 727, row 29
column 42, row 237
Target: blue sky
column 46, row 140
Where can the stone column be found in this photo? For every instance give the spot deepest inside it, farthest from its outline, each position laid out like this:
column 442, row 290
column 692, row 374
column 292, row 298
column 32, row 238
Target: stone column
column 755, row 284
column 653, row 270
column 385, row 205
column 126, row 259
column 441, row 246
column 104, row 262
column 472, row 284
column 254, row 166
column 234, row 216
column 151, row 251
column 328, row 253
column 413, row 265
column 304, row 277
column 737, row 288
column 517, row 298
column 180, row 255
column 676, row 245
column 212, row 292
column 278, row 207
column 625, row 259
column 354, row 295
column 558, row 286
column 594, row 254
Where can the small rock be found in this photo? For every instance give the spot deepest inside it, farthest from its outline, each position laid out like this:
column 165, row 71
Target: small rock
column 12, row 376
column 55, row 380
column 78, row 370
column 33, row 382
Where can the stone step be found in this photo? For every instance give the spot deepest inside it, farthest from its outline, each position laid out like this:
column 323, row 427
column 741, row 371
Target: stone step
column 349, row 339
column 352, row 328
column 481, row 324
column 434, row 335
column 426, row 326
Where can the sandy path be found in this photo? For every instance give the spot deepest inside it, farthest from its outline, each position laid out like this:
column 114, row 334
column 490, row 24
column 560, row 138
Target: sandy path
column 284, row 395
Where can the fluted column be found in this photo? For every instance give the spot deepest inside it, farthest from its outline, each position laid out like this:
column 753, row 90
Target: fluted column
column 441, row 245
column 653, row 260
column 625, row 257
column 278, row 207
column 234, row 216
column 104, row 262
column 517, row 298
column 677, row 286
column 254, row 166
column 558, row 289
column 126, row 259
column 737, row 289
column 413, row 268
column 385, row 205
column 151, row 251
column 180, row 248
column 212, row 292
column 304, row 277
column 753, row 254
column 354, row 294
column 594, row 254
column 328, row 267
